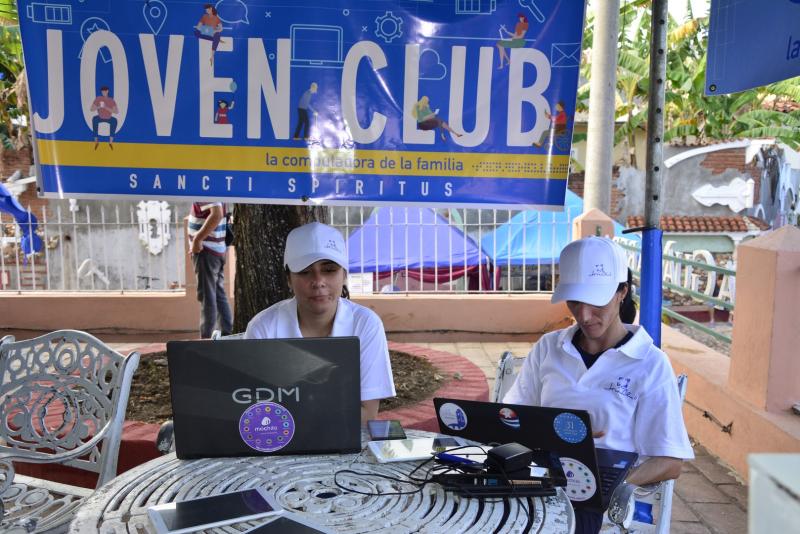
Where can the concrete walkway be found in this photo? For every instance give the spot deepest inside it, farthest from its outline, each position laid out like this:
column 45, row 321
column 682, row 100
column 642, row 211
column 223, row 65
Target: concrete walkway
column 708, row 498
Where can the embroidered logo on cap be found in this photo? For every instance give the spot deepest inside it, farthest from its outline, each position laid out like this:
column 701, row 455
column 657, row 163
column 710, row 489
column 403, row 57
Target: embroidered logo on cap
column 599, row 270
column 332, row 244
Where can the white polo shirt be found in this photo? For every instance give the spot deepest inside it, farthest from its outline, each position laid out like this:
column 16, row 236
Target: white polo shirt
column 280, row 321
column 630, row 392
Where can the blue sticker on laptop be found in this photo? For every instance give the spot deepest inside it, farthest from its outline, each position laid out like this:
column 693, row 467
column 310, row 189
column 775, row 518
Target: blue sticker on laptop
column 266, row 426
column 509, row 417
column 453, row 416
column 569, row 427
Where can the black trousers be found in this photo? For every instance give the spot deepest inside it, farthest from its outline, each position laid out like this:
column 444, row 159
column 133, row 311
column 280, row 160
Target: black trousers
column 587, row 522
column 302, row 122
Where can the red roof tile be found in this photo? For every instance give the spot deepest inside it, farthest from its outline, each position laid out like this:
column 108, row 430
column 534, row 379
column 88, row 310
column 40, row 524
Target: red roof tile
column 704, row 223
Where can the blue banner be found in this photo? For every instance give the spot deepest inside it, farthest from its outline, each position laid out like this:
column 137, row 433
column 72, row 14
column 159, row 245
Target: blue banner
column 752, row 43
column 448, row 102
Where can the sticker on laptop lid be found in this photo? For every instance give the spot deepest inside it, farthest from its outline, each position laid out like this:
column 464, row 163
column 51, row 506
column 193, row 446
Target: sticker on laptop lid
column 570, row 428
column 509, row 417
column 266, row 426
column 581, row 483
column 453, row 416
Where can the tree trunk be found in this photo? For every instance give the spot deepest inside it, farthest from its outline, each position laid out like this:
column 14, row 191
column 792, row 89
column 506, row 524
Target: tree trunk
column 261, row 232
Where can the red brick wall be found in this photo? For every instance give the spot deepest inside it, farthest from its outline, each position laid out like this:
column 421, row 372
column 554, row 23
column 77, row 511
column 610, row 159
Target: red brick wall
column 10, row 162
column 733, row 158
column 576, row 182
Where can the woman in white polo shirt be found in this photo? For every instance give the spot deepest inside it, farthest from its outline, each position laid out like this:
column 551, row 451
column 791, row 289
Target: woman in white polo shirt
column 606, row 367
column 316, row 263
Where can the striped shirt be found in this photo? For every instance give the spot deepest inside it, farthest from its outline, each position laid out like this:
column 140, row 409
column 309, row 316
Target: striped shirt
column 215, row 241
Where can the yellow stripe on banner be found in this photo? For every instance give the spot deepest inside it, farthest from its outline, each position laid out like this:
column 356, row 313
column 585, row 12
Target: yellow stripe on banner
column 302, row 160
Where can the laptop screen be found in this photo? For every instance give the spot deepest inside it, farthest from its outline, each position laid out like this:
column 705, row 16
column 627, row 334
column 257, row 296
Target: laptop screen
column 316, row 43
column 252, row 397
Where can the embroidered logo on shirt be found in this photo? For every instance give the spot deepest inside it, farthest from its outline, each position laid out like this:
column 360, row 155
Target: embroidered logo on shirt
column 599, row 270
column 622, row 387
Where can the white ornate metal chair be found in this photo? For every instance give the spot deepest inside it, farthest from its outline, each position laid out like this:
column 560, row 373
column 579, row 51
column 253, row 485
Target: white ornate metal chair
column 63, row 398
column 656, row 497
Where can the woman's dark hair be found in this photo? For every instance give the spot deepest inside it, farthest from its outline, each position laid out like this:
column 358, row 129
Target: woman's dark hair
column 345, row 291
column 627, row 308
column 213, row 9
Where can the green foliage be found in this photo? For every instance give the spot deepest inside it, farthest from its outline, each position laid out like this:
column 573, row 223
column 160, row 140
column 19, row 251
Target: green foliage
column 689, row 114
column 13, row 90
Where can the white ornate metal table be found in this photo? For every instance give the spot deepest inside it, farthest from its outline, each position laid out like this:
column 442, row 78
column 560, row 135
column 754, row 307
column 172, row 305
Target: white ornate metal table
column 305, row 484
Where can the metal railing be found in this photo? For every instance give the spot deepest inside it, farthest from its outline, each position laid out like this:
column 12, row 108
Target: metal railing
column 674, row 267
column 415, row 249
column 104, row 247
column 89, row 247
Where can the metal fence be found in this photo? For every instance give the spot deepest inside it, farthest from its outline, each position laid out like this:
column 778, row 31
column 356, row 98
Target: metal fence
column 115, row 247
column 417, row 249
column 91, row 247
column 704, row 283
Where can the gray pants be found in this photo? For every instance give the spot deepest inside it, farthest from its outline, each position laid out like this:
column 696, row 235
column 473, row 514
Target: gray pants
column 210, row 272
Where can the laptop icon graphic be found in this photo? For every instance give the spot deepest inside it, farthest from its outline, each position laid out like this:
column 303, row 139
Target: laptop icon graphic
column 316, row 46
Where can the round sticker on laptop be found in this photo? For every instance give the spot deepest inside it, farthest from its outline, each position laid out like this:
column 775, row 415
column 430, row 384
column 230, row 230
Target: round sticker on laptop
column 453, row 416
column 266, row 426
column 569, row 427
column 581, row 483
column 509, row 417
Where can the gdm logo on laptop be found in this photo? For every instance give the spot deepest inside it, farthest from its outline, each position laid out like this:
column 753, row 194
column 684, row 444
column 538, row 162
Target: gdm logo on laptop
column 251, row 395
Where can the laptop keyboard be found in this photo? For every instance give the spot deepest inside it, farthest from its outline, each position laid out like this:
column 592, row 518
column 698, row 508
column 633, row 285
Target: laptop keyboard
column 609, row 479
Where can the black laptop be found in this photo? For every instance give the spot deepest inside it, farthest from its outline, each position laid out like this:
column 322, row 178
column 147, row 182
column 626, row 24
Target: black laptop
column 592, row 474
column 251, row 397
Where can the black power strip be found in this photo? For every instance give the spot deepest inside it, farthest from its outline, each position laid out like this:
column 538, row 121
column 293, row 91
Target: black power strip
column 492, row 485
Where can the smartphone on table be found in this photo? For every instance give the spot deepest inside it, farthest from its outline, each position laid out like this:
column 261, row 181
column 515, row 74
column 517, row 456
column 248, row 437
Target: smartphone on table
column 380, row 429
column 405, row 450
column 214, row 511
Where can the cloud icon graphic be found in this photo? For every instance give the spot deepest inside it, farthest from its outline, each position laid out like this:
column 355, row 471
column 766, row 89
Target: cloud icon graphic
column 232, row 11
column 430, row 66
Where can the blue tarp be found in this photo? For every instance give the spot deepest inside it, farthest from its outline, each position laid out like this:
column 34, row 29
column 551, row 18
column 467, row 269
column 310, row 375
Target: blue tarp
column 398, row 237
column 535, row 237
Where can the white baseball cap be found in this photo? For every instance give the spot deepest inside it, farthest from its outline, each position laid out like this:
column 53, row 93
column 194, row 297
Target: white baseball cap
column 313, row 242
column 590, row 271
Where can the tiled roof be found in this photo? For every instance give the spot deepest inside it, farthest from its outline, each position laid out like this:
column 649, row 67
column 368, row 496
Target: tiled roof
column 704, row 223
column 782, row 104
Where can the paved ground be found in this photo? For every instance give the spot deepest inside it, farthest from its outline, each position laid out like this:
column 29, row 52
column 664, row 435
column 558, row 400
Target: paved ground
column 708, row 498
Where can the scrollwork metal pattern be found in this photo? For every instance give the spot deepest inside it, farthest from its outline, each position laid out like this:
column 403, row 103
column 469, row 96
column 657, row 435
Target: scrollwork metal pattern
column 57, row 391
column 305, row 484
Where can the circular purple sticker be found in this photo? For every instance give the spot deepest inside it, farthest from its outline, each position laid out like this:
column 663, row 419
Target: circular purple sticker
column 266, row 426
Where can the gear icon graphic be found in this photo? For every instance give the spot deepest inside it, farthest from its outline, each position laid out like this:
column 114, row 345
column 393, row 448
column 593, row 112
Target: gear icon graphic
column 388, row 26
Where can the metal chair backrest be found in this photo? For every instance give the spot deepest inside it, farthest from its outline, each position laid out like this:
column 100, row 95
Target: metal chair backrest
column 59, row 393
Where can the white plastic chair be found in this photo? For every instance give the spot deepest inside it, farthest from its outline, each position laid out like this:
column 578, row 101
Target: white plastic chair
column 216, row 335
column 658, row 495
column 63, row 398
column 507, row 370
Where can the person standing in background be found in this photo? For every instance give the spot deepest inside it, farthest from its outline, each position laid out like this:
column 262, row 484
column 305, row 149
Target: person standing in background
column 207, row 227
